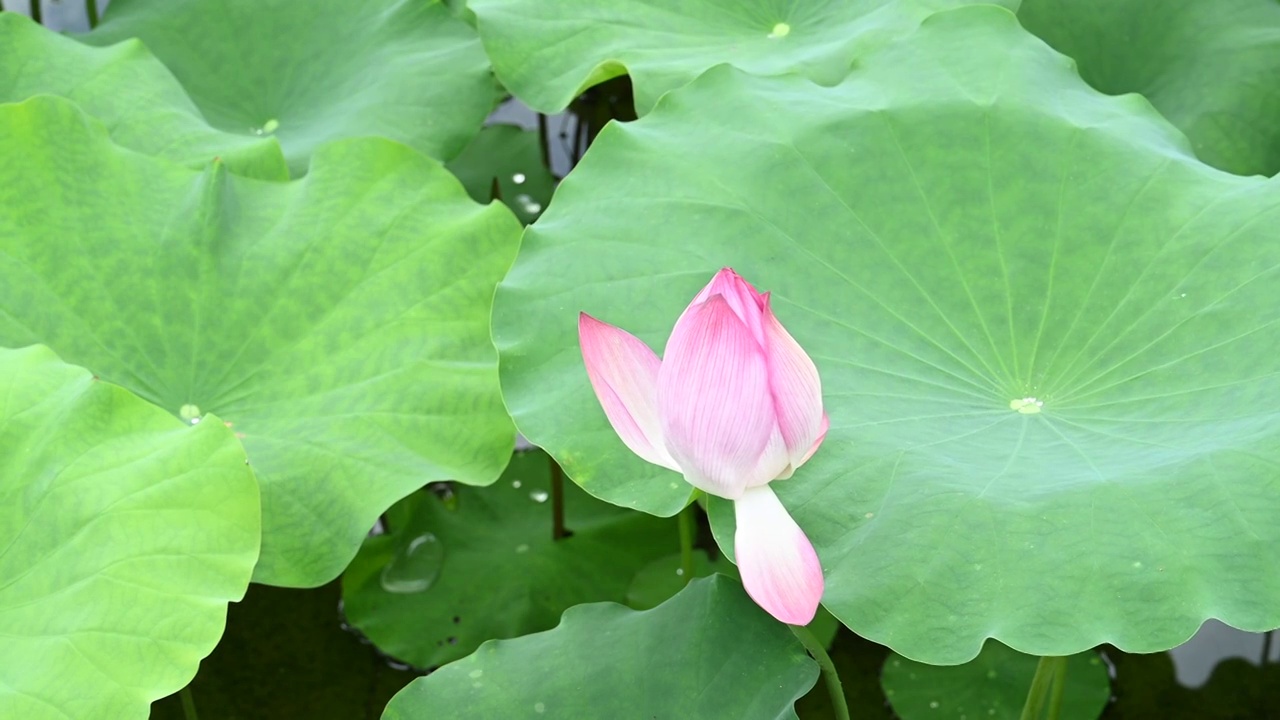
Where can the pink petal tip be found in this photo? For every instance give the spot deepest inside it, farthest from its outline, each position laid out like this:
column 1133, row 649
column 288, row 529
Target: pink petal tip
column 779, row 567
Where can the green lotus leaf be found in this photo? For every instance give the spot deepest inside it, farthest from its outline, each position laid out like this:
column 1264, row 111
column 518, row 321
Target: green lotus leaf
column 1212, row 68
column 482, row 564
column 306, row 73
column 512, row 157
column 339, row 323
column 123, row 536
column 709, row 652
column 140, row 102
column 547, row 53
column 992, row 686
column 1047, row 336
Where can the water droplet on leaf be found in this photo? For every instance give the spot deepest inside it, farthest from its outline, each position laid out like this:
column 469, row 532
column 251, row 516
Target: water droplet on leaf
column 518, row 178
column 780, row 30
column 528, row 204
column 415, row 567
column 1026, row 405
column 539, row 495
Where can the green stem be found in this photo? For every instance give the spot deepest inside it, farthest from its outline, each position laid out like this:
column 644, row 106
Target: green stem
column 1048, row 670
column 1059, row 685
column 686, row 541
column 544, row 142
column 838, row 703
column 557, row 500
column 188, row 704
column 35, row 11
column 91, row 9
column 1266, row 647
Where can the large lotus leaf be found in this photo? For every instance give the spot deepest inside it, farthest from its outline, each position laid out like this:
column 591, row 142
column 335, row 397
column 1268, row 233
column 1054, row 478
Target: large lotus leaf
column 1047, row 337
column 340, row 322
column 1212, row 68
column 708, row 652
column 992, row 686
column 141, row 103
column 310, row 72
column 546, row 53
column 481, row 564
column 124, row 533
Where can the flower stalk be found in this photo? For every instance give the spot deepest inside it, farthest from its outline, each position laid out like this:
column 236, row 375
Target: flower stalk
column 835, row 688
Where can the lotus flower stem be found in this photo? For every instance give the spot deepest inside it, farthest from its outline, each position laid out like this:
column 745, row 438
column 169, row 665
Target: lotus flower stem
column 91, row 10
column 544, row 142
column 557, row 500
column 687, row 520
column 1046, row 686
column 1266, row 647
column 35, row 11
column 839, row 705
column 1055, row 695
column 188, row 704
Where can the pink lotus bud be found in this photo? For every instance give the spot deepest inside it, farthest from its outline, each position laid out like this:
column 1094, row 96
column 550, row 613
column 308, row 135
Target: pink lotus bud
column 735, row 404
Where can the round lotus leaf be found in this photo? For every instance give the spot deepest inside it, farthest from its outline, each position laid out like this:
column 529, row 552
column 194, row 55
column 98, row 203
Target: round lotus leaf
column 992, row 686
column 340, row 323
column 124, row 533
column 1046, row 333
column 1212, row 68
column 480, row 563
column 131, row 92
column 309, row 72
column 547, row 53
column 708, row 652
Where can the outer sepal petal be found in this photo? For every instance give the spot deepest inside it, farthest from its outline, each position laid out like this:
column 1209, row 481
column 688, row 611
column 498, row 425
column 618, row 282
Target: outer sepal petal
column 624, row 374
column 779, row 567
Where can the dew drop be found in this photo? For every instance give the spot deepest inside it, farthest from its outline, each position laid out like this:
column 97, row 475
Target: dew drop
column 190, row 413
column 933, row 704
column 780, row 30
column 415, row 566
column 1026, row 405
column 539, row 708
column 522, row 548
column 270, row 126
column 680, row 571
column 475, row 674
column 518, row 178
column 528, row 204
column 516, row 484
column 539, row 495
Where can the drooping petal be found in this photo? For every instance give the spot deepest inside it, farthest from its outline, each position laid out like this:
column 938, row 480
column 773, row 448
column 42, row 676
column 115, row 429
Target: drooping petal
column 714, row 402
column 779, row 566
column 796, row 388
column 624, row 374
column 741, row 296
